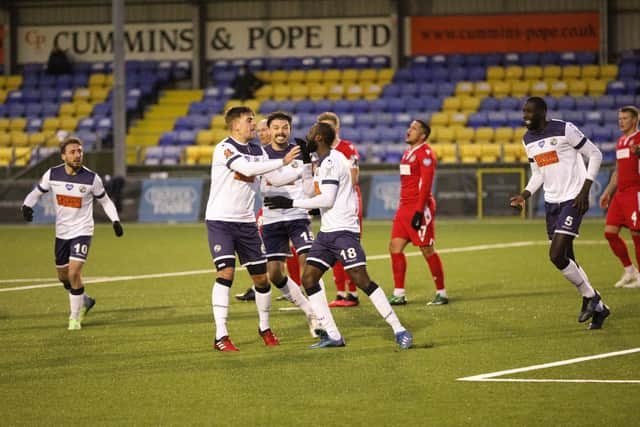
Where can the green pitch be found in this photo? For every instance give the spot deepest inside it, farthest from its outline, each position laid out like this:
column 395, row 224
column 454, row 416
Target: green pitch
column 145, row 357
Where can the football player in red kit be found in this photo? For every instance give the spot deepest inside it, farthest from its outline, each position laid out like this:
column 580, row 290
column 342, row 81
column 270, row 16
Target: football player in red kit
column 624, row 209
column 414, row 219
column 344, row 299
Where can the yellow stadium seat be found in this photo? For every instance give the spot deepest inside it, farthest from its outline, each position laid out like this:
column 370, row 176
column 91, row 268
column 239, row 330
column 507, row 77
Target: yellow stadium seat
column 482, row 89
column 265, row 76
column 470, row 104
column 464, row 88
column 81, row 95
column 108, row 80
column 313, row 76
column 17, row 124
column 335, row 92
column 609, row 72
column 503, row 134
column 217, row 122
column 22, row 156
column 5, row 156
column 19, row 139
column 452, row 103
column 596, row 87
column 484, row 134
column 500, row 89
column 5, row 139
column 558, row 88
column 69, row 124
column 469, row 153
column 299, row 92
column 51, row 139
column 354, row 91
column 520, row 88
column 281, row 92
column 514, row 153
column 513, row 72
column 495, row 72
column 372, row 91
column 192, row 154
column 518, row 134
column 368, row 74
column 349, row 76
column 385, row 75
column 577, row 87
column 331, row 76
column 13, row 82
column 3, row 95
column 204, row 137
column 219, row 135
column 551, row 72
column 571, row 72
column 36, row 138
column 457, row 119
column 98, row 94
column 318, row 91
column 84, row 109
column 463, row 135
column 489, row 153
column 264, row 92
column 51, row 124
column 439, row 119
column 206, row 155
column 539, row 88
column 445, row 153
column 590, row 72
column 67, row 109
column 279, row 77
column 297, row 76
column 446, row 134
column 3, row 81
column 97, row 80
column 532, row 72
column 4, row 124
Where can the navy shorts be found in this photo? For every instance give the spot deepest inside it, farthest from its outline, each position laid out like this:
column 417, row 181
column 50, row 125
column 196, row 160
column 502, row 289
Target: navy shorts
column 276, row 238
column 76, row 249
column 337, row 245
column 228, row 238
column 562, row 218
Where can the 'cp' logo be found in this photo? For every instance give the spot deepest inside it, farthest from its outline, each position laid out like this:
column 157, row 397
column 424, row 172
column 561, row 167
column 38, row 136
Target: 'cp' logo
column 34, row 39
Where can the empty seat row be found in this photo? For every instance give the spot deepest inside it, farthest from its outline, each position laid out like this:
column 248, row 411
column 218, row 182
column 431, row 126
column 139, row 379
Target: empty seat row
column 305, row 63
column 554, row 72
column 514, row 58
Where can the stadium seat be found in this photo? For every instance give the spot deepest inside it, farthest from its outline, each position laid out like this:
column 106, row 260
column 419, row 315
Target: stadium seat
column 585, row 103
column 464, row 134
column 503, row 134
column 520, row 88
column 532, row 72
column 596, row 87
column 539, row 88
column 558, row 88
column 478, row 119
column 578, row 87
column 514, row 153
column 513, row 72
column 495, row 73
column 469, row 153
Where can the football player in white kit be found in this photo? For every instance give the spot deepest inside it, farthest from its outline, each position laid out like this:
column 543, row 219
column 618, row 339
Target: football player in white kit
column 73, row 188
column 555, row 150
column 339, row 238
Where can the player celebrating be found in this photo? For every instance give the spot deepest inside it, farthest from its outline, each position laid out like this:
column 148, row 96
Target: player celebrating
column 351, row 153
column 555, row 149
column 623, row 209
column 230, row 221
column 74, row 187
column 339, row 238
column 415, row 218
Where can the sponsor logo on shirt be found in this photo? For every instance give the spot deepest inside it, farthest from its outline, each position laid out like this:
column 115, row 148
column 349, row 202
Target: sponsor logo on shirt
column 427, row 162
column 547, row 158
column 69, row 187
column 69, row 201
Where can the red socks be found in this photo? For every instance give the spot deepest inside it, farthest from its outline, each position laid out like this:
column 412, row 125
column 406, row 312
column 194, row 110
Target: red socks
column 435, row 265
column 619, row 248
column 399, row 268
column 293, row 267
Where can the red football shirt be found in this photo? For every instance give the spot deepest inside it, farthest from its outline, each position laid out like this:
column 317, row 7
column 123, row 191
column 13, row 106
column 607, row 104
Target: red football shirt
column 628, row 163
column 417, row 169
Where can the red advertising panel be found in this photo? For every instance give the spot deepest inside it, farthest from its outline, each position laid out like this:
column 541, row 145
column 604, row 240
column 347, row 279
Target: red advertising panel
column 505, row 33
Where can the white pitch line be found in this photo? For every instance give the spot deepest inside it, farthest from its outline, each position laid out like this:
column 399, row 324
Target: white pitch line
column 209, row 271
column 491, row 376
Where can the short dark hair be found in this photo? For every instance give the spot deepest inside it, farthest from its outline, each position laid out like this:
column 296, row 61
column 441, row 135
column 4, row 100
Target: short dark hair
column 326, row 131
column 426, row 129
column 234, row 113
column 68, row 141
column 278, row 115
column 631, row 110
column 538, row 102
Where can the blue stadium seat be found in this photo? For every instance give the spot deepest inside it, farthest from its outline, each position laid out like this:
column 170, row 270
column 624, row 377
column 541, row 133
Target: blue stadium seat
column 420, row 61
column 408, row 90
column 478, row 119
column 497, row 118
column 514, row 119
column 3, row 110
column 566, row 103
column 323, row 105
column 602, row 134
column 446, row 89
column 33, row 109
column 391, row 90
column 474, row 60
column 223, row 77
column 552, row 103
column 415, row 105
column 567, row 58
column 220, row 65
column 549, row 58
column 623, row 100
column 426, row 89
column 593, row 117
column 404, row 119
column 288, row 105
column 269, row 106
column 168, row 138
column 458, row 73
column 326, row 62
column 350, row 134
column 477, row 74
column 530, row 58
column 575, row 117
column 433, row 103
column 308, row 119
column 186, row 137
column 171, row 155
column 153, row 155
column 342, row 106
column 617, row 87
column 361, row 61
column 403, row 75
column 489, row 104
column 610, row 116
column 366, row 120
column 509, row 103
column 511, row 58
column 309, row 63
column 384, row 119
column 585, row 103
column 360, row 106
column 292, row 63
column 16, row 110
column 421, row 74
column 380, row 61
column 256, row 64
column 198, row 107
column 370, row 135
column 87, row 124
column 182, row 123
column 378, row 105
column 34, row 125
column 491, row 59
column 605, row 102
column 199, row 122
column 50, row 109
column 102, row 109
column 344, row 62
column 396, row 105
column 627, row 71
column 456, row 59
column 305, row 106
column 440, row 74
column 586, row 57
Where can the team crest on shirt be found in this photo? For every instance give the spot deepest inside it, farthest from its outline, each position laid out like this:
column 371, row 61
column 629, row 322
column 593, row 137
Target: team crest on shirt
column 263, row 249
column 69, row 187
column 427, row 161
column 83, row 189
column 412, row 158
column 554, row 141
column 217, row 248
column 541, row 143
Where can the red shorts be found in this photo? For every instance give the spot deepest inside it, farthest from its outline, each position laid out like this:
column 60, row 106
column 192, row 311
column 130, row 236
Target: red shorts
column 402, row 229
column 624, row 209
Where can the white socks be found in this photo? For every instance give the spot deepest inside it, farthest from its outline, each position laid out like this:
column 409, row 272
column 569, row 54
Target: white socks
column 379, row 300
column 263, row 303
column 579, row 278
column 322, row 311
column 220, row 303
column 76, row 302
column 293, row 293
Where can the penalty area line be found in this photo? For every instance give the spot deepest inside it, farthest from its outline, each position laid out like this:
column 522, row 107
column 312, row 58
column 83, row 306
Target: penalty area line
column 492, row 375
column 474, row 248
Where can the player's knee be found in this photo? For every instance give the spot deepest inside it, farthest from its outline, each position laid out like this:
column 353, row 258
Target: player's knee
column 559, row 259
column 226, row 273
column 66, row 283
column 261, row 282
column 610, row 236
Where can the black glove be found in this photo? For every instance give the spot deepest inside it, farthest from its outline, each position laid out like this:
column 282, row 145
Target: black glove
column 416, row 221
column 27, row 213
column 314, row 212
column 277, row 202
column 304, row 152
column 117, row 228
